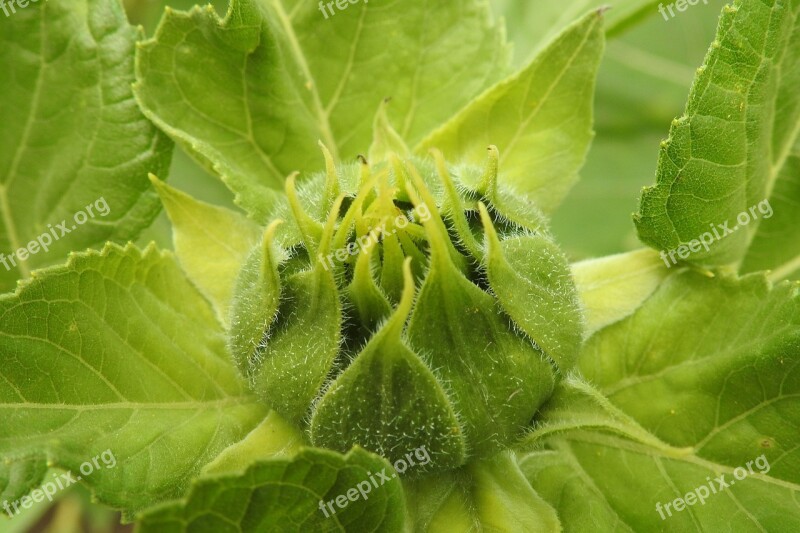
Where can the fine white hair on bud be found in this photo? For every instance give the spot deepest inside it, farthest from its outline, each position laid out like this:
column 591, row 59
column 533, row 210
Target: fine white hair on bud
column 404, row 304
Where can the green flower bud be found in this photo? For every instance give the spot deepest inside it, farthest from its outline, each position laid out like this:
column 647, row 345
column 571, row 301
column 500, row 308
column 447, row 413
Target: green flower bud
column 406, row 304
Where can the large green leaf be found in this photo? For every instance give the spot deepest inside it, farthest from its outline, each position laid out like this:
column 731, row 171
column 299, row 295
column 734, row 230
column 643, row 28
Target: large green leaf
column 713, row 364
column 291, row 495
column 732, row 150
column 118, row 351
column 284, row 77
column 703, row 380
column 600, row 482
column 540, row 118
column 72, row 134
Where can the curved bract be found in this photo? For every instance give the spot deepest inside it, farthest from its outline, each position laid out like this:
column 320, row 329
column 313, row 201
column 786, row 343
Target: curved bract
column 404, row 305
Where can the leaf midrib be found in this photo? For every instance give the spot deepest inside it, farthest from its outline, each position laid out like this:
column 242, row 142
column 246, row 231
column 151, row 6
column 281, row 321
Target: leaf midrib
column 523, row 126
column 618, row 443
column 300, row 58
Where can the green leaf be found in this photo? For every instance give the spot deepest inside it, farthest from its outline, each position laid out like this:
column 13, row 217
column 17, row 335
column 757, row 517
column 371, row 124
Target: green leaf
column 641, row 86
column 389, row 401
column 290, row 495
column 211, row 243
column 723, row 159
column 73, row 138
column 226, row 125
column 442, row 56
column 531, row 279
column 286, row 77
column 579, row 502
column 728, row 388
column 118, row 351
column 488, row 495
column 774, row 246
column 540, row 118
column 699, row 382
column 613, row 287
column 599, row 482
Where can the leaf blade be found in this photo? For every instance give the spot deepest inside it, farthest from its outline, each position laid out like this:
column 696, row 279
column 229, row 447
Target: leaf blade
column 155, row 384
column 256, row 500
column 286, row 78
column 724, row 155
column 211, row 243
column 72, row 133
column 539, row 104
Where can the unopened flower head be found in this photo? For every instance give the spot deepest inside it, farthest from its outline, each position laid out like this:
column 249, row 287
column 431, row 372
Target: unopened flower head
column 442, row 322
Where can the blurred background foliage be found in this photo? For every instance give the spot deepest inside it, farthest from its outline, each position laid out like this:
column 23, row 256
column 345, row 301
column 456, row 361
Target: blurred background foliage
column 642, row 86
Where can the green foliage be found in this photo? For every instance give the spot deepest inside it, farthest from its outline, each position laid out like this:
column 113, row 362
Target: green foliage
column 677, row 404
column 735, row 145
column 203, row 231
column 545, row 108
column 72, row 133
column 117, row 350
column 388, row 337
column 287, row 78
column 271, row 495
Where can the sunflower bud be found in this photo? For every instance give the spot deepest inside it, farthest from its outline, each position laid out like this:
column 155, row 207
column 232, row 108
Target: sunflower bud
column 404, row 305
